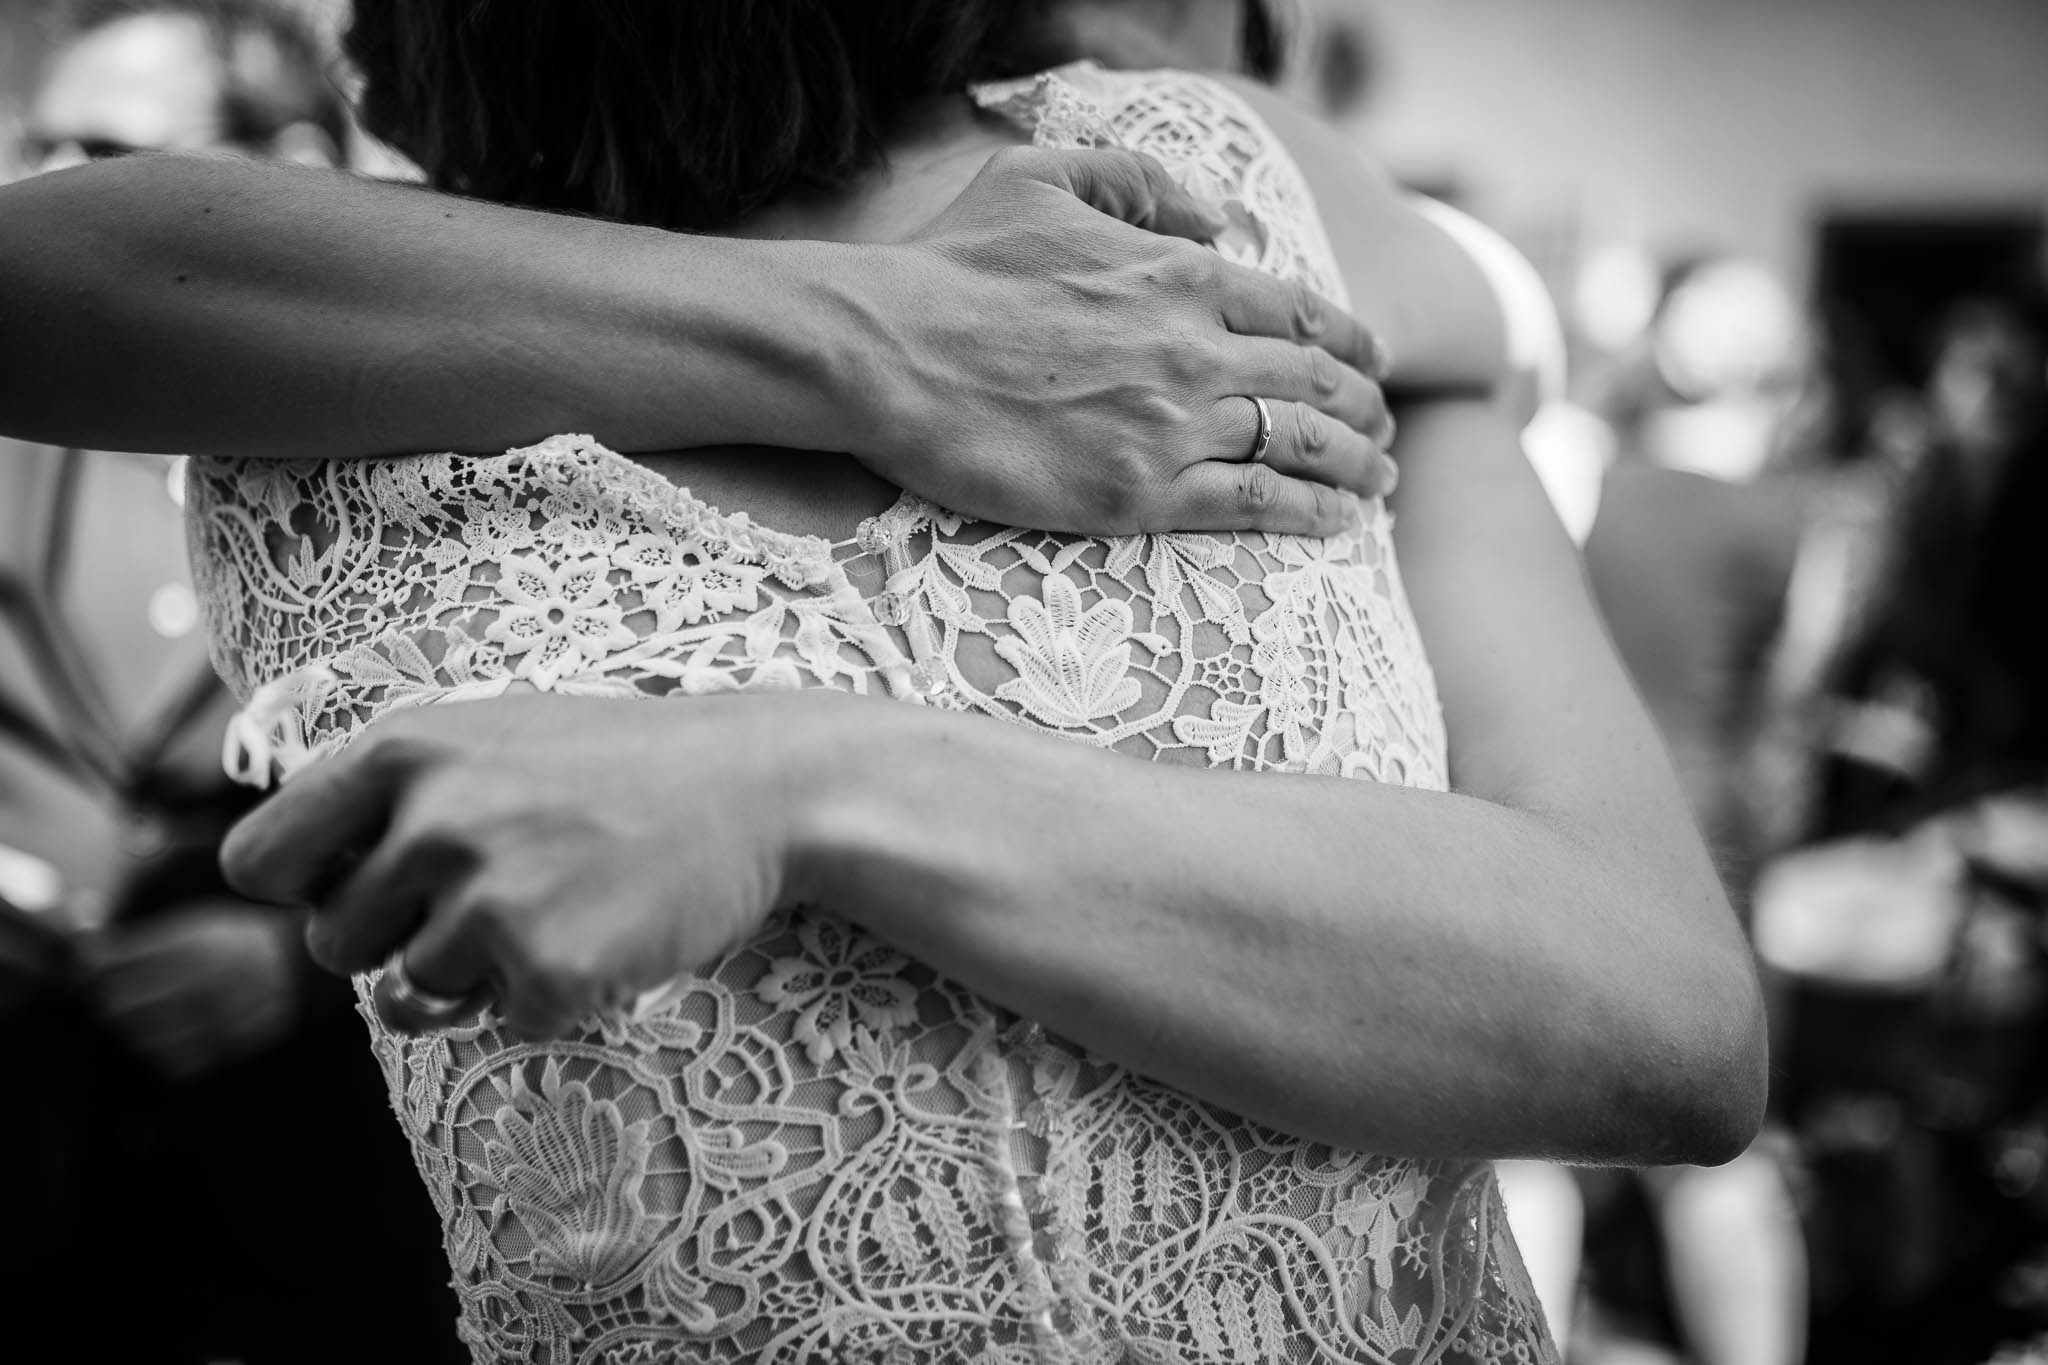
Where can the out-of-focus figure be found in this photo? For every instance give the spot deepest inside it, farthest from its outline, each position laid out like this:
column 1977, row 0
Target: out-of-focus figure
column 184, row 75
column 165, row 1031
column 1200, row 35
column 1691, row 556
column 1909, row 927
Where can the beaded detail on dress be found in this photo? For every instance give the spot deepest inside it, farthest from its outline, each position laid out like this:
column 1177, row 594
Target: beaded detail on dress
column 822, row 1151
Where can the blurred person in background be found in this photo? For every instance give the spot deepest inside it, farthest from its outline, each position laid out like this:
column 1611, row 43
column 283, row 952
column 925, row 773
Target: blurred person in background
column 1908, row 928
column 1243, row 36
column 165, row 1027
column 1690, row 555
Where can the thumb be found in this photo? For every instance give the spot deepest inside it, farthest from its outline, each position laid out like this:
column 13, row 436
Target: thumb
column 1126, row 185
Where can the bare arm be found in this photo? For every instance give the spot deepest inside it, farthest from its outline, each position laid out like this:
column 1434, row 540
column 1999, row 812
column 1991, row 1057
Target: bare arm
column 1539, row 964
column 1004, row 362
column 226, row 306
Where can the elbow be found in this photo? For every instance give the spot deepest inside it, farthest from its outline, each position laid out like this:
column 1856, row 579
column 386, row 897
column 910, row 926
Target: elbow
column 1697, row 1079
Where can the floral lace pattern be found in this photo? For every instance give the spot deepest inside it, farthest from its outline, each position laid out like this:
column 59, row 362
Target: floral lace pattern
column 823, row 1151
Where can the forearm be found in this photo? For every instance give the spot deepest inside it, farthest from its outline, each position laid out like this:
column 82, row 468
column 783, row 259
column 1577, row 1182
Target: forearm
column 234, row 307
column 1384, row 968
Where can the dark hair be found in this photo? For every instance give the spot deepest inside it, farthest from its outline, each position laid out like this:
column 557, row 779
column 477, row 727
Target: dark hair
column 685, row 114
column 676, row 113
column 274, row 69
column 1956, row 615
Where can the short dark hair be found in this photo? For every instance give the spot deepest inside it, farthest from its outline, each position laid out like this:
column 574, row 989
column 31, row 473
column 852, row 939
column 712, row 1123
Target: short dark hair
column 274, row 67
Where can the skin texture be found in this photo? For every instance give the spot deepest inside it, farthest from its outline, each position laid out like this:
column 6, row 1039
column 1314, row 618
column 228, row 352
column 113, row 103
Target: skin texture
column 227, row 307
column 1540, row 963
column 203, row 984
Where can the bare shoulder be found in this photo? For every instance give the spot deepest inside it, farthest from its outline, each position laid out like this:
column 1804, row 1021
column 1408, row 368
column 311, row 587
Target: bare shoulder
column 1410, row 280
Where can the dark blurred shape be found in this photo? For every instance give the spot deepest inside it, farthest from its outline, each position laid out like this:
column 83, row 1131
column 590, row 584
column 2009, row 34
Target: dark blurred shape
column 1249, row 37
column 1344, row 66
column 1690, row 573
column 1910, row 926
column 199, row 1136
column 1883, row 281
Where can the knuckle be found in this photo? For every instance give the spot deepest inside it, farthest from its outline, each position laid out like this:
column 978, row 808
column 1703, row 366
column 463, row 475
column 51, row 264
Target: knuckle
column 1311, row 433
column 1194, row 269
column 1325, row 504
column 1125, row 161
column 1117, row 502
column 1311, row 315
column 1258, row 490
column 1323, row 377
column 495, row 919
column 389, row 750
column 1191, row 357
column 1015, row 160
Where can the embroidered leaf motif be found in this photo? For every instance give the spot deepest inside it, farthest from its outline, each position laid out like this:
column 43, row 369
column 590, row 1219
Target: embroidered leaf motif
column 1269, row 1316
column 1237, row 1324
column 1161, row 1186
column 897, row 1235
column 1202, row 1321
column 948, row 1228
column 1222, row 607
column 1225, row 733
column 1119, row 1193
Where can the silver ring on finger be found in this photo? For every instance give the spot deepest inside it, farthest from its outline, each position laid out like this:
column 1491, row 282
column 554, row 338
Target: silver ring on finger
column 424, row 1005
column 1264, row 440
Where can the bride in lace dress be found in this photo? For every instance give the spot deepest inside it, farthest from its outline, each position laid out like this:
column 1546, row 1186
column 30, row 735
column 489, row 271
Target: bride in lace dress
column 833, row 1143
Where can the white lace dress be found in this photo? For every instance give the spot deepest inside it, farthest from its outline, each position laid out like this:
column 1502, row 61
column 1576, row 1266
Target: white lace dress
column 822, row 1151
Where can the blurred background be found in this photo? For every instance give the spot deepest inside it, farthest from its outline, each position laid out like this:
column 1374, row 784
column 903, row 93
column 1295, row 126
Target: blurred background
column 1787, row 313
column 1794, row 249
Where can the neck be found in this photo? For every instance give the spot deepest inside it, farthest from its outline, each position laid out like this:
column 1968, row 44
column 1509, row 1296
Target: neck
column 938, row 148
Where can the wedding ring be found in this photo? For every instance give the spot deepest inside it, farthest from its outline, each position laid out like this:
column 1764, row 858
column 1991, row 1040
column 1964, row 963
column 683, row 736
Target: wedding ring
column 404, row 994
column 1265, row 437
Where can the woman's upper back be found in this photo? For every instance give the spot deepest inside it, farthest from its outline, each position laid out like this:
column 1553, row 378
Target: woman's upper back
column 1156, row 1222
column 1252, row 650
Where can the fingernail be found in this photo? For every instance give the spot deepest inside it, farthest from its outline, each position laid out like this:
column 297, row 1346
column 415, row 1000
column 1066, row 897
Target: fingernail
column 1391, row 479
column 1382, row 358
column 1387, row 440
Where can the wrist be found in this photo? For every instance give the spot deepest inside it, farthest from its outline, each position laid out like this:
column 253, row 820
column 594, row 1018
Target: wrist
column 878, row 302
column 811, row 321
column 835, row 795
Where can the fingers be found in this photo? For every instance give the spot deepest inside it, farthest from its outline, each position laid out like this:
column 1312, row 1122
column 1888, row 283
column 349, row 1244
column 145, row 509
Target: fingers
column 291, row 846
column 379, row 904
column 1218, row 496
column 1256, row 304
column 1126, row 185
column 1309, row 374
column 448, row 957
column 1307, row 445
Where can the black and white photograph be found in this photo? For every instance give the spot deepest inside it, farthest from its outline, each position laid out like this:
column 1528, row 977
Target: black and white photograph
column 1024, row 682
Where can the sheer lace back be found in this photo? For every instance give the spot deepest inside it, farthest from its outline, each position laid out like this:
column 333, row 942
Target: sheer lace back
column 822, row 1151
